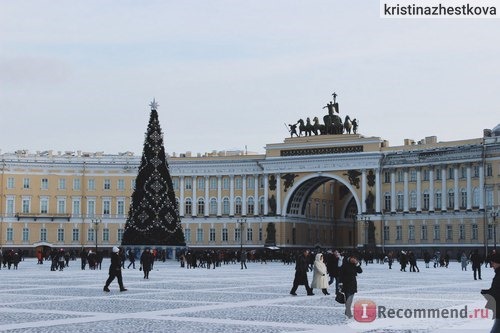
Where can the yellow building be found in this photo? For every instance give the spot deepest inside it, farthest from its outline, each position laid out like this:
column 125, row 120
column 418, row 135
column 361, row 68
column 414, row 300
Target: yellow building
column 342, row 190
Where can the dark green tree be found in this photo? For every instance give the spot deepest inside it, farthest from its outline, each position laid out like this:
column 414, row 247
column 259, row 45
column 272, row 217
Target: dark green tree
column 153, row 217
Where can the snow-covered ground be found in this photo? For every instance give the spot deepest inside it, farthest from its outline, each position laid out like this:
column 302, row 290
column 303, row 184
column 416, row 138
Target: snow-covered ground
column 228, row 299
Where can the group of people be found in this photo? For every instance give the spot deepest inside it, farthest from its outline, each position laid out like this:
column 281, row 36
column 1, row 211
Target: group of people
column 327, row 268
column 10, row 259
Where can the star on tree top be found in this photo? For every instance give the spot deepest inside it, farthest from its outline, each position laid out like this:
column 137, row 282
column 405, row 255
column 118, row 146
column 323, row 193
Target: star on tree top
column 154, row 105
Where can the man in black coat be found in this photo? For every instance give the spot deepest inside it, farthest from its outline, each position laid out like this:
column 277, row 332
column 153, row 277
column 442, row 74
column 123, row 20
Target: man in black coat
column 493, row 294
column 115, row 270
column 476, row 260
column 301, row 267
column 333, row 268
column 349, row 285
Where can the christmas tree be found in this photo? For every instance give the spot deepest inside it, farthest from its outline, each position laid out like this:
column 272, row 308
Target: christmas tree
column 153, row 218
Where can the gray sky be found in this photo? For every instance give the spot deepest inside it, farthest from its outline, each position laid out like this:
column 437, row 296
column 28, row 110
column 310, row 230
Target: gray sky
column 79, row 75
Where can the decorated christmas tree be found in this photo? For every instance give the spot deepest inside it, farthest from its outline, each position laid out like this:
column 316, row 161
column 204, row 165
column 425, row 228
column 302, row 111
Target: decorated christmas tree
column 153, row 218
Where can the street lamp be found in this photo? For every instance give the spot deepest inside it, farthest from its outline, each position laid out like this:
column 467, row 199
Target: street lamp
column 96, row 222
column 241, row 222
column 494, row 215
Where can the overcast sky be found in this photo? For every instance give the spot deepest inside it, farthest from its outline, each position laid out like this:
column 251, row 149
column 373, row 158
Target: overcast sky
column 79, row 75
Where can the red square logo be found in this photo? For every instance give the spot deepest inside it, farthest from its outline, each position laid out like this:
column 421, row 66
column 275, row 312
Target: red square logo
column 365, row 311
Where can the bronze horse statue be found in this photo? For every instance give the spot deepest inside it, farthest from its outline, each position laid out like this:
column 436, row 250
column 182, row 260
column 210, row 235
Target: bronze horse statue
column 347, row 124
column 306, row 128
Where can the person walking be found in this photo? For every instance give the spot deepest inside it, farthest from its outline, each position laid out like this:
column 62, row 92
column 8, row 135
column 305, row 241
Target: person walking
column 464, row 261
column 476, row 261
column 83, row 257
column 350, row 269
column 333, row 261
column 146, row 262
column 243, row 259
column 301, row 267
column 131, row 258
column 115, row 270
column 320, row 279
column 492, row 295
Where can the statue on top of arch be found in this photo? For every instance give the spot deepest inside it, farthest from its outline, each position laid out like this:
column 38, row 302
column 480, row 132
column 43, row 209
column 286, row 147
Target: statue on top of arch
column 332, row 123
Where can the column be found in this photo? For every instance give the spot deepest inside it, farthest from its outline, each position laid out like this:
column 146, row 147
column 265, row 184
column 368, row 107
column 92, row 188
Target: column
column 481, row 187
column 219, row 195
column 278, row 194
column 431, row 189
column 419, row 190
column 207, row 196
column 455, row 188
column 363, row 191
column 405, row 192
column 231, row 195
column 378, row 191
column 243, row 195
column 444, row 193
column 194, row 212
column 393, row 191
column 256, row 210
column 181, row 195
column 469, row 187
column 266, row 194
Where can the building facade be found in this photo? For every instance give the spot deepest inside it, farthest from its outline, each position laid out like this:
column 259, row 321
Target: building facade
column 342, row 190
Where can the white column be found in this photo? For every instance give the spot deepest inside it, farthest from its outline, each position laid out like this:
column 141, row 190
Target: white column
column 481, row 187
column 194, row 212
column 278, row 194
column 266, row 193
column 207, row 197
column 419, row 190
column 219, row 195
column 393, row 190
column 243, row 195
column 431, row 189
column 444, row 192
column 469, row 187
column 456, row 190
column 181, row 195
column 378, row 191
column 231, row 195
column 363, row 191
column 256, row 196
column 405, row 192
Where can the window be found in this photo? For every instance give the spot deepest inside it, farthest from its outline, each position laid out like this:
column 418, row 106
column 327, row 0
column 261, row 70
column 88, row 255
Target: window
column 213, row 183
column 474, row 231
column 451, row 199
column 250, row 182
column 437, row 232
column 188, row 183
column 26, row 235
column 237, row 234
column 61, row 206
column 10, row 183
column 238, row 181
column 224, row 235
column 90, row 235
column 44, row 206
column 261, row 233
column 400, row 176
column 261, row 206
column 26, row 183
column 261, row 182
column 91, row 184
column 120, row 207
column 225, row 183
column 132, row 184
column 43, row 235
column 201, row 206
column 411, row 232
column 475, row 197
column 399, row 232
column 413, row 200
column 76, row 207
column 386, row 233
column 187, row 235
column 250, row 206
column 62, row 183
column 10, row 234
column 106, row 207
column 426, row 174
column 475, row 171
column 461, row 232
column 175, row 183
column 489, row 170
column 212, row 235
column 120, row 184
column 201, row 183
column 120, row 234
column 438, row 174
column 237, row 206
column 450, row 173
column 490, row 231
column 463, row 172
column 76, row 235
column 400, row 201
column 45, row 184
column 60, row 235
column 225, row 206
column 438, row 201
column 423, row 232
column 413, row 175
column 107, row 184
column 10, row 206
column 249, row 234
column 188, row 207
column 91, row 208
column 463, row 198
column 105, row 235
column 213, row 206
column 26, row 205
column 76, row 184
column 449, row 232
column 199, row 235
column 387, row 177
column 426, row 200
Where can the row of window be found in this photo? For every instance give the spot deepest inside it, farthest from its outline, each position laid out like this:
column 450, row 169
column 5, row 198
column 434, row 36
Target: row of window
column 213, row 181
column 436, row 232
column 62, row 208
column 76, row 182
column 450, row 172
column 224, row 235
column 91, row 233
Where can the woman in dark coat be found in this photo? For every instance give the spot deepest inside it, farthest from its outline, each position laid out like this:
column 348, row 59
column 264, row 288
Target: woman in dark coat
column 301, row 267
column 348, row 272
column 146, row 262
column 115, row 270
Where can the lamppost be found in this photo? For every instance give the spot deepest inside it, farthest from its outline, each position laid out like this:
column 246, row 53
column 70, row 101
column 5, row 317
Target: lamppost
column 241, row 222
column 494, row 215
column 96, row 223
